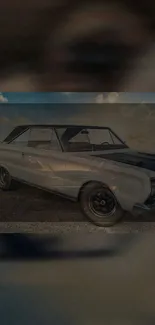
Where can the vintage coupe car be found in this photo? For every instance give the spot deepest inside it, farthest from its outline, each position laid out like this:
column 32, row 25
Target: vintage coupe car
column 88, row 164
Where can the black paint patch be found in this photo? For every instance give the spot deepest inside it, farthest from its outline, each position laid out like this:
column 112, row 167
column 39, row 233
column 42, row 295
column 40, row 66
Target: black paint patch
column 141, row 160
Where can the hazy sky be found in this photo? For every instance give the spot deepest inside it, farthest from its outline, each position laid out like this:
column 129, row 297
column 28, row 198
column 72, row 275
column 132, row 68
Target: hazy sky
column 60, row 111
column 78, row 97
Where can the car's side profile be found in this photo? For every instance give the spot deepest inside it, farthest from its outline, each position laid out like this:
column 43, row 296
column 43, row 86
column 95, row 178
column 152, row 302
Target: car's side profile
column 85, row 163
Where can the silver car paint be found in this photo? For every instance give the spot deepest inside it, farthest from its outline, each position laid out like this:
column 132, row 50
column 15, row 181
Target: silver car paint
column 67, row 172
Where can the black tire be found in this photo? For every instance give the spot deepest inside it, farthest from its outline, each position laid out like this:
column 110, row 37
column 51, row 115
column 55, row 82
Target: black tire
column 5, row 179
column 96, row 195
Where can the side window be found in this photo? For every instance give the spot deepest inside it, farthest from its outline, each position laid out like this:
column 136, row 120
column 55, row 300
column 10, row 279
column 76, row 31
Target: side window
column 43, row 138
column 22, row 140
column 97, row 136
column 80, row 137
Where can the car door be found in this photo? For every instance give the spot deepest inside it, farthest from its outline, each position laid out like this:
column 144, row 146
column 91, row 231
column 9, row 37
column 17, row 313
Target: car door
column 44, row 159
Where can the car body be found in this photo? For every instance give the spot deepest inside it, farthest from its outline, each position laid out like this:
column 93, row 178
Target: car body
column 68, row 158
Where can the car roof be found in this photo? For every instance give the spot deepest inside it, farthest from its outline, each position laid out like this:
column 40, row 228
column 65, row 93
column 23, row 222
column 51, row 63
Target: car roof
column 19, row 129
column 61, row 126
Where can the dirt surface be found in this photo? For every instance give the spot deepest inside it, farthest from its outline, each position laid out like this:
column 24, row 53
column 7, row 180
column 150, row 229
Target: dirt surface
column 33, row 205
column 38, row 210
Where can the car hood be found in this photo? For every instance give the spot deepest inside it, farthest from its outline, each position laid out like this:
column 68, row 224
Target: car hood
column 127, row 156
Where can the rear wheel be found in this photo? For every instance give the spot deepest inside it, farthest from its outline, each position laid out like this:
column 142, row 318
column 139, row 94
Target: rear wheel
column 99, row 205
column 5, row 179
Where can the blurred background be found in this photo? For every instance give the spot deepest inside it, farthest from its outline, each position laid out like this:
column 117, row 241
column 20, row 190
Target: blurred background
column 64, row 45
column 47, row 281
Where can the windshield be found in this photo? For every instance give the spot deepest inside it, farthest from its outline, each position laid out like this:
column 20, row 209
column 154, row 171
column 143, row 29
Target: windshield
column 77, row 139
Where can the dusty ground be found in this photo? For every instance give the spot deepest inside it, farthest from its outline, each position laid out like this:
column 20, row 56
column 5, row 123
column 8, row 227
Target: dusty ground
column 33, row 205
column 33, row 210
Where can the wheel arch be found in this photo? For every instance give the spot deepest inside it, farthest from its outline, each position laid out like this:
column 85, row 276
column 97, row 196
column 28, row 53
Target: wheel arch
column 8, row 183
column 90, row 182
column 5, row 167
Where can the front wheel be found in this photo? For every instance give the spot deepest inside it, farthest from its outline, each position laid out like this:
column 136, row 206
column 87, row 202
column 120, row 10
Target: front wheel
column 99, row 205
column 5, row 179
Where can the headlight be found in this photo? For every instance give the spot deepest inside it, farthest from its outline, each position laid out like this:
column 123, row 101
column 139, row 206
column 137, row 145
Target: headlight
column 153, row 187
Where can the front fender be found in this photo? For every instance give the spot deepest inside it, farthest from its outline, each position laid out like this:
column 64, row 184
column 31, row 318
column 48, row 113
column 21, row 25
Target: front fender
column 129, row 185
column 130, row 189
